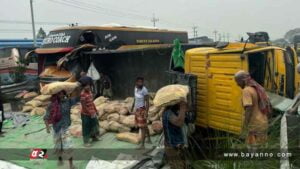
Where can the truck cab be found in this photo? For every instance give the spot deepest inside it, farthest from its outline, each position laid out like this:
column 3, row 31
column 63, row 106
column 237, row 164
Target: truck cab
column 218, row 97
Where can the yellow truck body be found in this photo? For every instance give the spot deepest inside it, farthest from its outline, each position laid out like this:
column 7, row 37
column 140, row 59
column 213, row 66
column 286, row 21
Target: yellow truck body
column 218, row 96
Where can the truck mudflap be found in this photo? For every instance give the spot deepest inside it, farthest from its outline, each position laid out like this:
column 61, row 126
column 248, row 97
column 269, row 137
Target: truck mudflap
column 189, row 80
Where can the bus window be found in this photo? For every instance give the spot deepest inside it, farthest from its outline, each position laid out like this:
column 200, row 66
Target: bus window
column 87, row 37
column 5, row 52
column 290, row 72
column 257, row 66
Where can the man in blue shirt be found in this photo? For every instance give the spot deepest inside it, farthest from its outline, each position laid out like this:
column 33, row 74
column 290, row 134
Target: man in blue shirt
column 173, row 121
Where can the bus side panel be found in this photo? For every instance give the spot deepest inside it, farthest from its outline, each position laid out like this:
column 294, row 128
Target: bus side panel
column 224, row 96
column 197, row 65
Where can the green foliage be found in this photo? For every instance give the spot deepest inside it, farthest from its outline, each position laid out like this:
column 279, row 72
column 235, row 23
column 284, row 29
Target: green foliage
column 223, row 141
column 291, row 33
column 41, row 34
column 18, row 73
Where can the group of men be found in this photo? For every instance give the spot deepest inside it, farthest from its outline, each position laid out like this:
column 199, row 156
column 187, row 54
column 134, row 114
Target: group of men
column 254, row 100
column 173, row 119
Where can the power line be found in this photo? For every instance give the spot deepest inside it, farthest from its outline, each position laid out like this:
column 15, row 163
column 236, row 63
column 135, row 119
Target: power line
column 215, row 34
column 195, row 31
column 109, row 10
column 154, row 20
column 228, row 37
column 134, row 12
column 118, row 7
column 100, row 10
column 89, row 8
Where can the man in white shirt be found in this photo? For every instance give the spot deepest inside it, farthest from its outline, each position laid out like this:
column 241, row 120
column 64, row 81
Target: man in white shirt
column 141, row 107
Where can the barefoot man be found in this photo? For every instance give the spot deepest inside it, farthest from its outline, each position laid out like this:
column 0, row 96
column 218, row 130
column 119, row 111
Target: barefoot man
column 141, row 107
column 257, row 108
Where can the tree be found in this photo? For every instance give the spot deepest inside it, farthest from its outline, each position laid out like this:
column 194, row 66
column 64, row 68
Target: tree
column 41, row 34
column 290, row 34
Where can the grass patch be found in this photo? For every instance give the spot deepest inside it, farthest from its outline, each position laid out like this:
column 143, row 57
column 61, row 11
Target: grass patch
column 207, row 146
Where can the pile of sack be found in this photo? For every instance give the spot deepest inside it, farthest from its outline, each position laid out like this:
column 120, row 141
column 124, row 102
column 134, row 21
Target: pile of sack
column 25, row 95
column 115, row 116
column 166, row 96
column 37, row 105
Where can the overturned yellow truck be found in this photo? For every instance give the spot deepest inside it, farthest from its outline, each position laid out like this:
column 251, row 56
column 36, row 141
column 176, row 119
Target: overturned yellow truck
column 218, row 98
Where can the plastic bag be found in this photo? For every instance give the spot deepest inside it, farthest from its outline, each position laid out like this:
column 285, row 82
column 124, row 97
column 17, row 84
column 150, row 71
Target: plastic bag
column 93, row 72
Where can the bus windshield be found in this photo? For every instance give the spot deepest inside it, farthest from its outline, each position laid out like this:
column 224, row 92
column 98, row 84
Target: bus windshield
column 5, row 52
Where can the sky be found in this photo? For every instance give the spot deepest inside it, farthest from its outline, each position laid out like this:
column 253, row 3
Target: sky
column 232, row 18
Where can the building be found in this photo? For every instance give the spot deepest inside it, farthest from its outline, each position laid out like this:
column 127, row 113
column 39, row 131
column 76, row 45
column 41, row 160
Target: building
column 19, row 42
column 201, row 39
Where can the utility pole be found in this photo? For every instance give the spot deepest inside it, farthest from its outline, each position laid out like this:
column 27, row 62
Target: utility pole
column 195, row 31
column 228, row 37
column 215, row 33
column 224, row 37
column 32, row 22
column 154, row 20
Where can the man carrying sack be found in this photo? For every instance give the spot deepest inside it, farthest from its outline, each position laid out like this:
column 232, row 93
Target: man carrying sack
column 174, row 98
